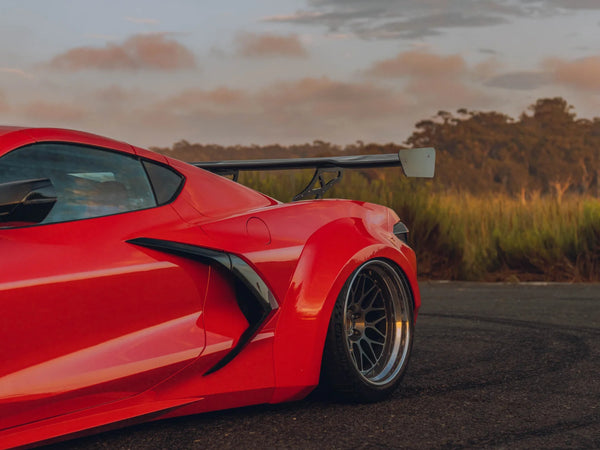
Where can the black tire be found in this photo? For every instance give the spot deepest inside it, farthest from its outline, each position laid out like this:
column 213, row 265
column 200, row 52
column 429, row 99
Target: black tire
column 370, row 334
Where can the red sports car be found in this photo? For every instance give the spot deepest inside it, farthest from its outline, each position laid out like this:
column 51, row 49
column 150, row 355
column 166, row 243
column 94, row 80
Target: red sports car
column 135, row 286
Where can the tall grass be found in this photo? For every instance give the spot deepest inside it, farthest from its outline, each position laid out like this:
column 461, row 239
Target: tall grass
column 465, row 237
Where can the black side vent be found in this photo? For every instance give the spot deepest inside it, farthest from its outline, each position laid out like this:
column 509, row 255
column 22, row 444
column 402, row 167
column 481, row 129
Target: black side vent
column 255, row 299
column 401, row 232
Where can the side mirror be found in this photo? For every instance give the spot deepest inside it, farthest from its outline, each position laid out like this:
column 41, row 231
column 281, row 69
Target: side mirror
column 26, row 201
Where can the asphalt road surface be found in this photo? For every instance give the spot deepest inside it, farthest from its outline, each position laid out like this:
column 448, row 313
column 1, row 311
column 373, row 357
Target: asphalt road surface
column 493, row 366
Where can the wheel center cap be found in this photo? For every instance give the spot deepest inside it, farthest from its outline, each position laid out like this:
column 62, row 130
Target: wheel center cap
column 355, row 325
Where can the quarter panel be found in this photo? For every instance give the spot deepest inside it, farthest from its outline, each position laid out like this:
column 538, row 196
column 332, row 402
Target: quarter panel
column 330, row 256
column 314, row 247
column 214, row 196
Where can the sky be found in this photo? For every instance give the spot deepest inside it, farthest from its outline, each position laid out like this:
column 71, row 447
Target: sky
column 288, row 71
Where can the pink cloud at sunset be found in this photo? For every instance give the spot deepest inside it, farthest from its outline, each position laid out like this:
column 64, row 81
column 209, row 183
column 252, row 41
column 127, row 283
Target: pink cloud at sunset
column 325, row 97
column 143, row 51
column 431, row 79
column 583, row 74
column 446, row 93
column 419, row 64
column 191, row 99
column 268, row 45
column 287, row 111
column 318, row 99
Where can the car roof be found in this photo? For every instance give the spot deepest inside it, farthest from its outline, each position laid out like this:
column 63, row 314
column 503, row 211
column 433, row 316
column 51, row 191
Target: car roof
column 13, row 137
column 7, row 129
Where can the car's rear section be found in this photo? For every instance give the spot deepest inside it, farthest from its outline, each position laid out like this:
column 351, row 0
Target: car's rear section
column 316, row 257
column 354, row 244
column 307, row 254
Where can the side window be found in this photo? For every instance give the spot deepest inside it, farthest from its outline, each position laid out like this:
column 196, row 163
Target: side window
column 89, row 182
column 165, row 181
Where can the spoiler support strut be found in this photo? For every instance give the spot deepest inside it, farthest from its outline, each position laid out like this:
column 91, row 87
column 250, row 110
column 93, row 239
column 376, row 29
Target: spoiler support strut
column 324, row 186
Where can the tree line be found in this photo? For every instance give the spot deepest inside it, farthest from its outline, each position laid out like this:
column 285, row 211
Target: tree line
column 547, row 150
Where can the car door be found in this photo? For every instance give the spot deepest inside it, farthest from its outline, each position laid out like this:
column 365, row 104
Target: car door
column 88, row 318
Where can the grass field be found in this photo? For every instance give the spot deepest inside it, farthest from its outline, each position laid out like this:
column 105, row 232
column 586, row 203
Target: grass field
column 465, row 237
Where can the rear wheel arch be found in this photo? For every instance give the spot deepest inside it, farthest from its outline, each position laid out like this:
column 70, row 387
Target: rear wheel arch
column 306, row 311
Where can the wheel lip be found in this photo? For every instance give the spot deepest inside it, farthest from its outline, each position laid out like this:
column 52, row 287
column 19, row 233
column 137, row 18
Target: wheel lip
column 398, row 350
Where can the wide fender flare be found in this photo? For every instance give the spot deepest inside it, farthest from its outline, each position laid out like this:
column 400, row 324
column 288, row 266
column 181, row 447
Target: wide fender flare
column 327, row 261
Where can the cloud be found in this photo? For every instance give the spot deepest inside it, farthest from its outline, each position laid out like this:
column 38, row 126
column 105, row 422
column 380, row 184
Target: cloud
column 313, row 97
column 266, row 45
column 519, row 80
column 449, row 93
column 334, row 20
column 566, row 4
column 581, row 74
column 311, row 108
column 428, row 25
column 189, row 100
column 438, row 81
column 141, row 51
column 485, row 69
column 410, row 19
column 287, row 112
column 418, row 64
column 324, row 97
column 397, row 19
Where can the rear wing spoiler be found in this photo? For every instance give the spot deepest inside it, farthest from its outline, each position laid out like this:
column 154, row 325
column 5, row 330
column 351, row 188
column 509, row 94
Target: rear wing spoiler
column 416, row 162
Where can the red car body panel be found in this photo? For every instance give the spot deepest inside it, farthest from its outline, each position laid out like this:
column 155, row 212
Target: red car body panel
column 99, row 332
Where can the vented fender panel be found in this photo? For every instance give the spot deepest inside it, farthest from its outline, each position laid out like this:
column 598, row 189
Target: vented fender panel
column 242, row 272
column 330, row 256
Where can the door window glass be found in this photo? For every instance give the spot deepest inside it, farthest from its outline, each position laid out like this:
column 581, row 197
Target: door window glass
column 89, row 182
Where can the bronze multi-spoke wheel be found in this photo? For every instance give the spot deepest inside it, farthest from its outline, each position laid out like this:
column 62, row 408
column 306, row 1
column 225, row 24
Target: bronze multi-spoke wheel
column 370, row 334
